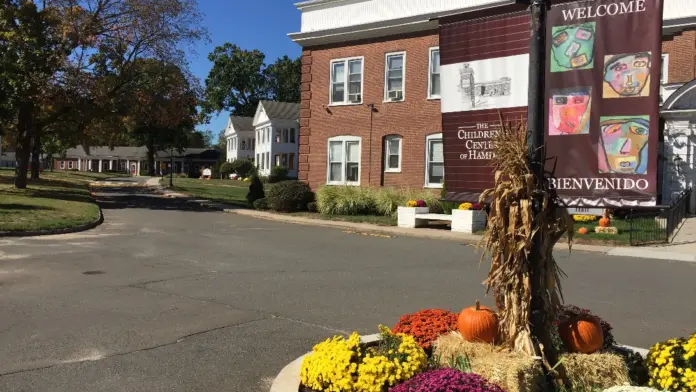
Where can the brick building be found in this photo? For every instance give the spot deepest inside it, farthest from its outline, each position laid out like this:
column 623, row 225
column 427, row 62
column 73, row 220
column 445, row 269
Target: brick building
column 370, row 112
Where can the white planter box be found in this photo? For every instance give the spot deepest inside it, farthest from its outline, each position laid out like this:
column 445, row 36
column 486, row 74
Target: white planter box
column 407, row 216
column 470, row 221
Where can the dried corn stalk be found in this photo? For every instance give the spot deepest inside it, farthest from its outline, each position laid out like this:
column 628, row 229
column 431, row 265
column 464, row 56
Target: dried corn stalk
column 512, row 225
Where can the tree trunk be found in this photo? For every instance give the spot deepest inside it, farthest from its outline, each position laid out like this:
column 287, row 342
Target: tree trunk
column 36, row 155
column 150, row 157
column 24, row 135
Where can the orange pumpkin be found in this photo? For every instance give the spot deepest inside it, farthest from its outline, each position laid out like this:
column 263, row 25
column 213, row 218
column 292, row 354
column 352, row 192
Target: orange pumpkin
column 583, row 230
column 582, row 336
column 605, row 222
column 478, row 324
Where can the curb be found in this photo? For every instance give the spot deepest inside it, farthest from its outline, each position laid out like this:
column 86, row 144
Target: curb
column 469, row 239
column 288, row 380
column 68, row 230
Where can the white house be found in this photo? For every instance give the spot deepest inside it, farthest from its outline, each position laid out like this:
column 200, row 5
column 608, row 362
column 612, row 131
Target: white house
column 276, row 125
column 241, row 139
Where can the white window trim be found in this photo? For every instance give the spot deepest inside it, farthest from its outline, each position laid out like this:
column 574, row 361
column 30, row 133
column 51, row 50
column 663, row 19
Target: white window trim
column 346, row 102
column 434, row 136
column 665, row 67
column 430, row 73
column 62, row 165
column 343, row 139
column 388, row 138
column 386, row 76
column 70, row 165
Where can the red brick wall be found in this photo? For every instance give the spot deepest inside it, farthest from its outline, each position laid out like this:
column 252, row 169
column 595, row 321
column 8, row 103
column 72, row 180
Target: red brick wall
column 682, row 57
column 413, row 119
column 56, row 164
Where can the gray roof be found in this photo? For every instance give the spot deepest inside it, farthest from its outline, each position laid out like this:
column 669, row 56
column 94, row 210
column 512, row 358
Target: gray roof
column 242, row 123
column 125, row 152
column 281, row 110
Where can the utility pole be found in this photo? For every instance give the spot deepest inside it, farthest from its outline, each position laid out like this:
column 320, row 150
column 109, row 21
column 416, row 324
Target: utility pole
column 538, row 317
column 171, row 167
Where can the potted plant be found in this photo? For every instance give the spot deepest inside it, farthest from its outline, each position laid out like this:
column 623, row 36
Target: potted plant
column 469, row 218
column 407, row 214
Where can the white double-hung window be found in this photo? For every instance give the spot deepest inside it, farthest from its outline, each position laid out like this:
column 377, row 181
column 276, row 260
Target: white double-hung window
column 346, row 81
column 394, row 76
column 434, row 74
column 392, row 154
column 434, row 161
column 343, row 166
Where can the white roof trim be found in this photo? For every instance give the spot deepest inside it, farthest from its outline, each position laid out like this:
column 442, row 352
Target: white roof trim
column 302, row 5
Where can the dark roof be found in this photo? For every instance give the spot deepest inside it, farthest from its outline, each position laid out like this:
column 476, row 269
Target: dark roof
column 126, row 152
column 242, row 123
column 281, row 110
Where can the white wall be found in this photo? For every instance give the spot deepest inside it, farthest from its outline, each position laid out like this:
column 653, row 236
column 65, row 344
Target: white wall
column 680, row 159
column 234, row 145
column 267, row 147
column 347, row 13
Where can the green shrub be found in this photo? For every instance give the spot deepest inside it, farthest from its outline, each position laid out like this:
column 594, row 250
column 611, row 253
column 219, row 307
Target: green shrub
column 243, row 167
column 226, row 168
column 345, row 200
column 387, row 200
column 255, row 189
column 278, row 174
column 312, row 207
column 289, row 196
column 261, row 204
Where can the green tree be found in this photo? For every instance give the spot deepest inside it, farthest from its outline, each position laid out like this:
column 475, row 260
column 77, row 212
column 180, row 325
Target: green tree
column 239, row 79
column 284, row 79
column 72, row 61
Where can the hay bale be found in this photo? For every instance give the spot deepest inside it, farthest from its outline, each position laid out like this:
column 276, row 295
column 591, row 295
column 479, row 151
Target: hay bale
column 513, row 371
column 598, row 370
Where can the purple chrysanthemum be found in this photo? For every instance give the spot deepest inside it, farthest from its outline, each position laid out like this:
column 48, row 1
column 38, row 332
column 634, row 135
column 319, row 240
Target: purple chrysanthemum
column 447, row 380
column 421, row 203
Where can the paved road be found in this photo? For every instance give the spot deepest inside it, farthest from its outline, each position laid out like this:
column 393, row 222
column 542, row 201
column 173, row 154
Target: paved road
column 168, row 297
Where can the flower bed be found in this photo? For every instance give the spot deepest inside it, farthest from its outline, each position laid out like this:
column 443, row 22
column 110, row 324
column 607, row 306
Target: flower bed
column 425, row 352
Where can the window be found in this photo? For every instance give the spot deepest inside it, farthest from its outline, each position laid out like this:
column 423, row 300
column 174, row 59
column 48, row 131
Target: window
column 291, row 163
column 434, row 77
column 277, row 159
column 346, row 72
column 344, row 161
column 268, row 134
column 284, row 160
column 394, row 76
column 434, row 161
column 277, row 138
column 292, row 135
column 259, row 161
column 70, row 164
column 253, row 144
column 243, row 144
column 285, row 135
column 664, row 68
column 268, row 160
column 392, row 154
column 62, row 164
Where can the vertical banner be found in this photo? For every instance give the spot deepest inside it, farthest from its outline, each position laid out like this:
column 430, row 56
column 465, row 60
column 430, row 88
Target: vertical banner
column 484, row 60
column 602, row 101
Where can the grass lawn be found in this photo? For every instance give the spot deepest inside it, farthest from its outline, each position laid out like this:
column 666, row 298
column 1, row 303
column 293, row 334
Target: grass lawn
column 643, row 228
column 372, row 219
column 223, row 191
column 57, row 200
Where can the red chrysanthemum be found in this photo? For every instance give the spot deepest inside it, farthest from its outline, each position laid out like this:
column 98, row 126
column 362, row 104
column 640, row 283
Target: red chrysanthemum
column 425, row 326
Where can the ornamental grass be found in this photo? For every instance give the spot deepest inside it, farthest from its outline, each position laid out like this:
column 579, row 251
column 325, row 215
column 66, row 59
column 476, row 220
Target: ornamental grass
column 427, row 325
column 513, row 226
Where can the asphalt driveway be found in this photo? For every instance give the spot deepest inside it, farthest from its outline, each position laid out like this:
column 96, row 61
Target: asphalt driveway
column 165, row 296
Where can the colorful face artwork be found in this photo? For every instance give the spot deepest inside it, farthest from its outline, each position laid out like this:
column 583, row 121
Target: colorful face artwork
column 623, row 144
column 627, row 75
column 570, row 111
column 573, row 47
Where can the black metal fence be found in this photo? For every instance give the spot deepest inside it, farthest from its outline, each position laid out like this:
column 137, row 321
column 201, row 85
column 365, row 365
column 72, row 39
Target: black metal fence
column 657, row 226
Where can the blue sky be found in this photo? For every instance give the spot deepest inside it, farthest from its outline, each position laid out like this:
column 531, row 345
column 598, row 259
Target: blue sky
column 258, row 24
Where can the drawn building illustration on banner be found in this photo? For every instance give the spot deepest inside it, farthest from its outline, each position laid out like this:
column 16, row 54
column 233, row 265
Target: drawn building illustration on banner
column 485, row 84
